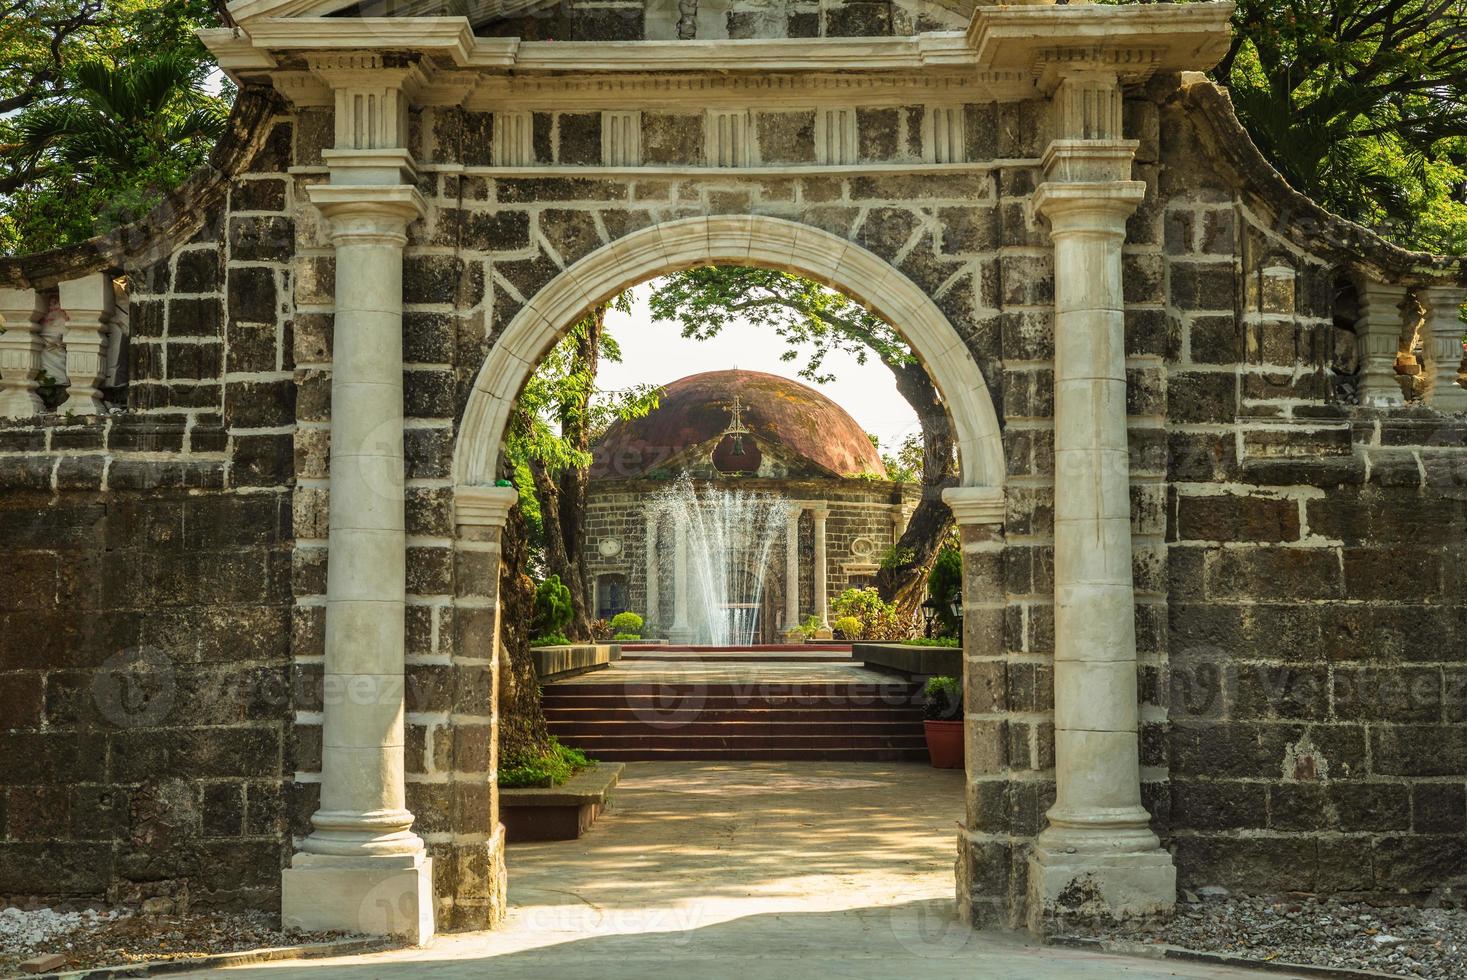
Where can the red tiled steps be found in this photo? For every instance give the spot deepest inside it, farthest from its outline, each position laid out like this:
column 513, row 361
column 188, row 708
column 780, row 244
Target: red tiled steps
column 814, row 721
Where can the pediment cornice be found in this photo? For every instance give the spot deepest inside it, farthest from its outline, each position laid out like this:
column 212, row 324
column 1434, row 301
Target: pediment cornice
column 1007, row 53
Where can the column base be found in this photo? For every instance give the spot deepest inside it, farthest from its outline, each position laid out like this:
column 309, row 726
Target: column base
column 82, row 405
column 373, row 896
column 1066, row 886
column 1449, row 396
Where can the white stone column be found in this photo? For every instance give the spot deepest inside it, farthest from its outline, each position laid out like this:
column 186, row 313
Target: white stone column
column 20, row 354
column 792, row 572
column 1379, row 333
column 654, row 562
column 1099, row 838
column 680, row 632
column 362, row 868
column 89, row 304
column 821, row 574
column 1443, row 306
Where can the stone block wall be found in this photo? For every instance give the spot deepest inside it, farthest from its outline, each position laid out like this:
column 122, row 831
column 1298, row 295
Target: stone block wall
column 635, row 20
column 145, row 619
column 144, row 667
column 1317, row 620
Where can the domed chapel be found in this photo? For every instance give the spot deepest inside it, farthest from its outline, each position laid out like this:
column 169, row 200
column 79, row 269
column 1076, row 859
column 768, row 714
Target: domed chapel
column 758, row 435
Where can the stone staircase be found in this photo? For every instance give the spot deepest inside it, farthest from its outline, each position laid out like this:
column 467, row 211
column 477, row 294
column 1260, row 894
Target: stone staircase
column 811, row 720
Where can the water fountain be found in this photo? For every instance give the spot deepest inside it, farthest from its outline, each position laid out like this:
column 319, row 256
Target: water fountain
column 730, row 536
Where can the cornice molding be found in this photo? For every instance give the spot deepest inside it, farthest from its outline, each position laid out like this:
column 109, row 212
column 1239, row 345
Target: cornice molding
column 1137, row 40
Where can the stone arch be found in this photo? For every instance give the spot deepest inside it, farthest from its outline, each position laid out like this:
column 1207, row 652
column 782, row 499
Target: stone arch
column 746, row 240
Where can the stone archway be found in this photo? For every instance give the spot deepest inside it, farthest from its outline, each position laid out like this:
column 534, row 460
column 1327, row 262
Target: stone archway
column 481, row 508
column 755, row 240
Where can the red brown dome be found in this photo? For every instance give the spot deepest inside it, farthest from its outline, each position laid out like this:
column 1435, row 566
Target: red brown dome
column 795, row 425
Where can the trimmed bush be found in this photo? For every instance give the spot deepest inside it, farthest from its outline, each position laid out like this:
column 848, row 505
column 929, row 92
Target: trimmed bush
column 626, row 622
column 627, row 637
column 847, row 627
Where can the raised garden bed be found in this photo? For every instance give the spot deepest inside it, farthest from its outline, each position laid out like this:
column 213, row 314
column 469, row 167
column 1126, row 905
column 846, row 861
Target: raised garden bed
column 575, row 658
column 562, row 812
column 916, row 661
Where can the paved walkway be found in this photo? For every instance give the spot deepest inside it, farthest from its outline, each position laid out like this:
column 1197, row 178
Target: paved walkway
column 747, row 871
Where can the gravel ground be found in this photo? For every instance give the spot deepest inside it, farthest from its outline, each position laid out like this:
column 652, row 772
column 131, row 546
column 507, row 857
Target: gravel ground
column 1401, row 940
column 93, row 937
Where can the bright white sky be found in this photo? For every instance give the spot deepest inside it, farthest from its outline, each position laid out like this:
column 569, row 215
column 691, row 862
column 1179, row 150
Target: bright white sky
column 655, row 352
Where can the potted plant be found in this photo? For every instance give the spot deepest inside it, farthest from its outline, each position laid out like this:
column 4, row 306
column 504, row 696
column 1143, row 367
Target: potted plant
column 943, row 724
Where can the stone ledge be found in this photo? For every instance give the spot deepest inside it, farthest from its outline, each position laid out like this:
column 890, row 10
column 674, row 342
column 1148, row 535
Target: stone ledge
column 575, row 658
column 914, row 660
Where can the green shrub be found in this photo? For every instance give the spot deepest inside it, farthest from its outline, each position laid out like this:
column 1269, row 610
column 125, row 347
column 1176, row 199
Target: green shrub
column 555, row 766
column 944, row 583
column 550, row 640
column 847, row 627
column 626, row 622
column 601, row 631
column 878, row 619
column 553, row 609
column 627, row 637
column 895, row 557
column 943, row 699
column 933, row 641
column 810, row 627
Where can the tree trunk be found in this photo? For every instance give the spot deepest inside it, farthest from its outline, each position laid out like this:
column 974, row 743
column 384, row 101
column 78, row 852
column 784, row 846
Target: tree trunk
column 575, row 429
column 558, row 560
column 905, row 582
column 562, row 495
column 522, row 726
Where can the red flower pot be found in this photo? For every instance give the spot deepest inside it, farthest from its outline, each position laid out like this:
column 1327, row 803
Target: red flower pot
column 944, row 743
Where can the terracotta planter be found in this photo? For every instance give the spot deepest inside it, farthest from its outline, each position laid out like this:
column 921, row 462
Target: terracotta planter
column 944, row 743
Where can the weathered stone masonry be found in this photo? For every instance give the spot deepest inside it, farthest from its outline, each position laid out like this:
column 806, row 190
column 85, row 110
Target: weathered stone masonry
column 1296, row 559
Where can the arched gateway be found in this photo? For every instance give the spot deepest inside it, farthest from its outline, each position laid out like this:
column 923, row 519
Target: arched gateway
column 1185, row 455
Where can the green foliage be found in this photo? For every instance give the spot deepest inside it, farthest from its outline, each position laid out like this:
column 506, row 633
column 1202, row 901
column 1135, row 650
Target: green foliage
column 552, row 399
column 943, row 699
column 932, row 641
column 550, row 768
column 107, row 113
column 905, row 465
column 847, row 627
column 550, row 640
column 1362, row 105
column 810, row 628
column 552, row 609
column 944, row 582
column 876, row 619
column 627, row 637
column 812, row 319
column 895, row 557
column 626, row 622
column 601, row 631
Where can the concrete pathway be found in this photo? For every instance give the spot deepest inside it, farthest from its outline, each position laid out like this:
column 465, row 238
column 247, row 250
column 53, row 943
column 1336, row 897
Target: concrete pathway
column 747, row 871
